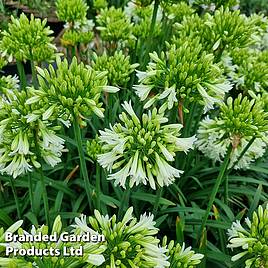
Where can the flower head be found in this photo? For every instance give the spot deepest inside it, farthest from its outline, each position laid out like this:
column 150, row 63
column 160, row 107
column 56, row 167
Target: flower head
column 130, row 242
column 71, row 10
column 71, row 90
column 180, row 256
column 114, row 25
column 184, row 72
column 28, row 39
column 118, row 67
column 26, row 137
column 238, row 122
column 252, row 240
column 141, row 149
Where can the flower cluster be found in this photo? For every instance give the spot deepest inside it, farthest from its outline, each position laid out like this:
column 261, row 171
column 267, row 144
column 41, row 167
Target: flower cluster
column 71, row 10
column 114, row 25
column 178, row 11
column 179, row 256
column 222, row 32
column 92, row 252
column 8, row 84
column 94, row 148
column 129, row 243
column 28, row 39
column 252, row 239
column 183, row 72
column 71, row 91
column 26, row 135
column 249, row 74
column 142, row 149
column 118, row 67
column 239, row 121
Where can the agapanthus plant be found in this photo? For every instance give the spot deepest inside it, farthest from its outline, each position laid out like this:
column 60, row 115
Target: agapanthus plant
column 129, row 243
column 221, row 32
column 180, row 256
column 92, row 252
column 115, row 27
column 247, row 69
column 240, row 121
column 183, row 73
column 117, row 66
column 8, row 84
column 251, row 240
column 73, row 91
column 140, row 149
column 71, row 10
column 27, row 137
column 28, row 39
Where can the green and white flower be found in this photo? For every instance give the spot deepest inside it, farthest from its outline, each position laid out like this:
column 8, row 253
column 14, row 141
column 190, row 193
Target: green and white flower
column 251, row 240
column 184, row 72
column 28, row 40
column 238, row 122
column 71, row 91
column 141, row 149
column 180, row 256
column 25, row 136
column 130, row 242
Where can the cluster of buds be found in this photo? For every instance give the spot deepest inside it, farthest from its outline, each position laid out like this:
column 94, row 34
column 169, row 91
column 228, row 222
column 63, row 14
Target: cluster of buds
column 252, row 239
column 141, row 149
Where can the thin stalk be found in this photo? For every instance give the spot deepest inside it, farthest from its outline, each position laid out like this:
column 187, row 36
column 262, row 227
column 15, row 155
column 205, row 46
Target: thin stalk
column 34, row 75
column 124, row 203
column 156, row 5
column 226, row 182
column 216, row 189
column 150, row 36
column 83, row 166
column 45, row 198
column 157, row 201
column 30, row 181
column 15, row 197
column 22, row 75
column 98, row 186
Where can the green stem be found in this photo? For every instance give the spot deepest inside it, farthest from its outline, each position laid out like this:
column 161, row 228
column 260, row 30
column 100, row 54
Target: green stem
column 22, row 75
column 216, row 189
column 156, row 5
column 124, row 204
column 31, row 190
column 45, row 198
column 34, row 75
column 157, row 200
column 226, row 182
column 83, row 166
column 15, row 197
column 98, row 186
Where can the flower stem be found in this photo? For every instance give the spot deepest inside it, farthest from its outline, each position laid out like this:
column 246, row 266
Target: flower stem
column 34, row 76
column 22, row 75
column 98, row 186
column 83, row 166
column 157, row 200
column 215, row 189
column 15, row 197
column 226, row 188
column 30, row 181
column 45, row 198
